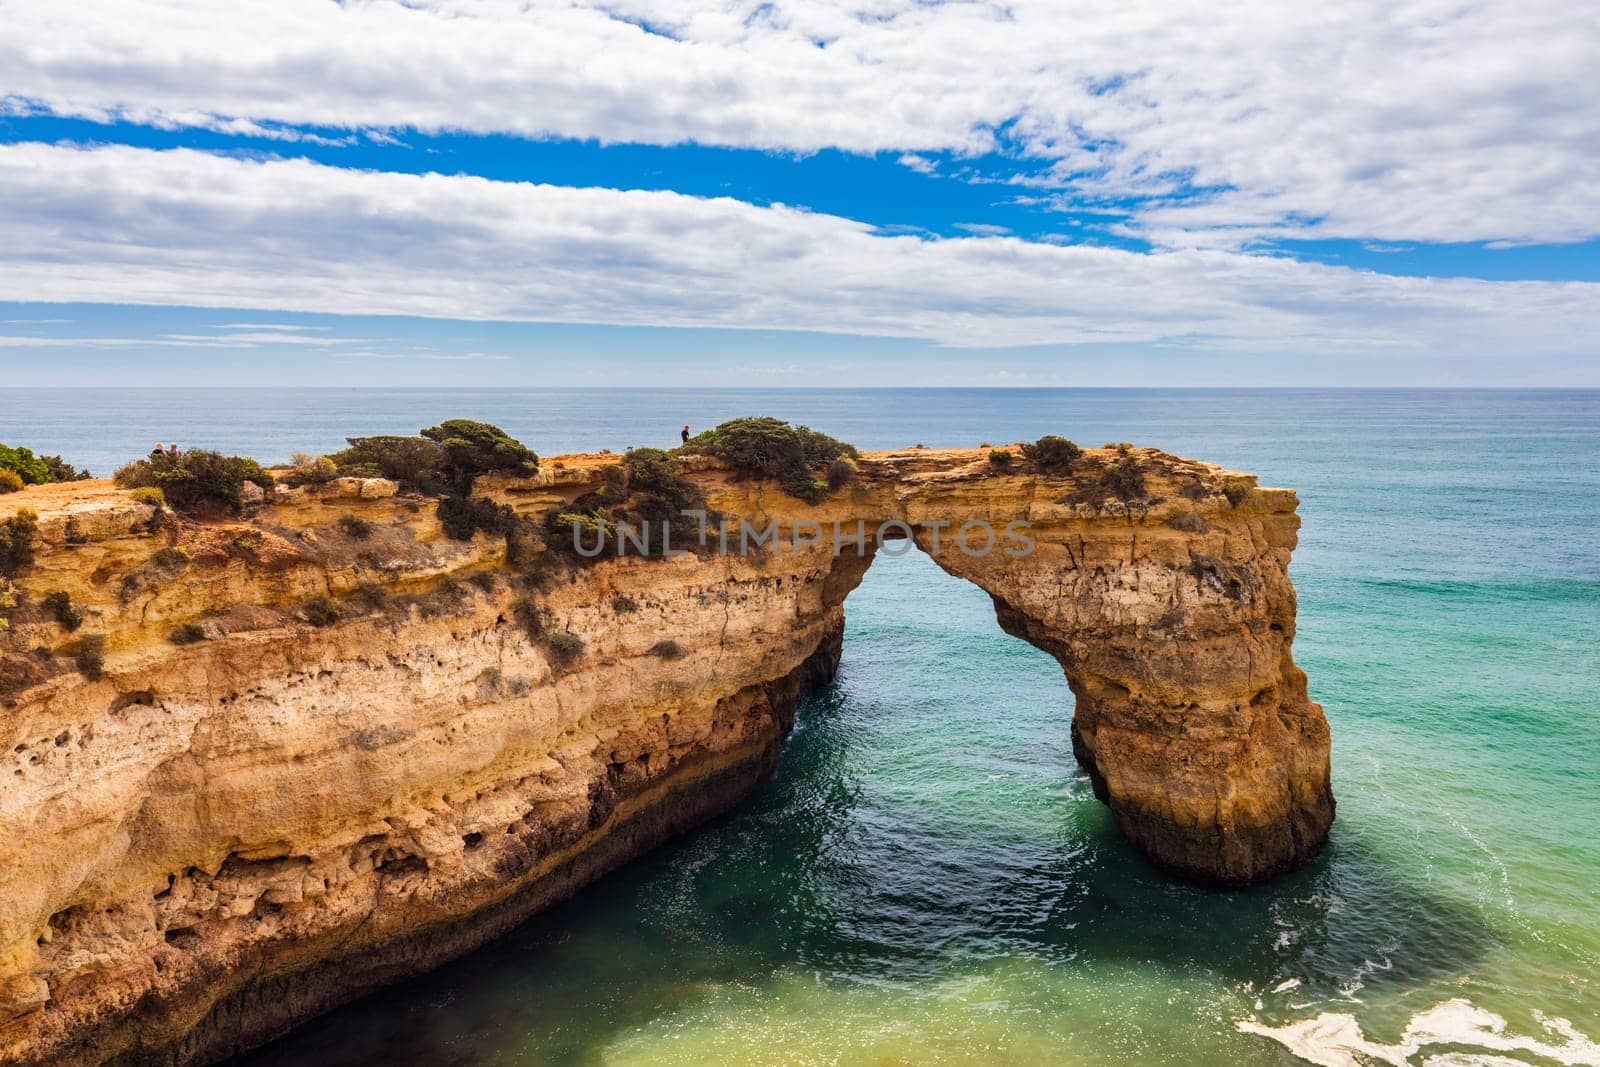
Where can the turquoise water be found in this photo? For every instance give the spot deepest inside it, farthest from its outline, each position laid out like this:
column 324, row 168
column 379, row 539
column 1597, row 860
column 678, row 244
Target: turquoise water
column 927, row 877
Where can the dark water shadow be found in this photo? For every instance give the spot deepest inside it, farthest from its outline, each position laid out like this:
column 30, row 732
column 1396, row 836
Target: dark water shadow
column 799, row 879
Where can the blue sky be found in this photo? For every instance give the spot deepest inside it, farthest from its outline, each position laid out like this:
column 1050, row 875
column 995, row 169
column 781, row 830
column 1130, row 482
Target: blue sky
column 460, row 192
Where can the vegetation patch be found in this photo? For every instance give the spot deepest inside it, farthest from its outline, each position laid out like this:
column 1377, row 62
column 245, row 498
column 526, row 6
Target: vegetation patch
column 470, row 448
column 1000, row 459
column 190, row 633
column 1189, row 522
column 16, row 542
column 1120, row 478
column 311, row 470
column 1237, row 491
column 322, row 611
column 1195, row 491
column 445, row 458
column 353, row 527
column 463, row 516
column 841, row 472
column 668, row 649
column 36, row 470
column 564, row 649
column 91, row 657
column 796, row 457
column 59, row 606
column 10, row 481
column 624, row 605
column 529, row 616
column 647, row 493
column 1051, row 454
column 197, row 481
column 413, row 462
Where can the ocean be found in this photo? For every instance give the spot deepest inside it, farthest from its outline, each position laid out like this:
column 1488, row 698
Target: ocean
column 928, row 879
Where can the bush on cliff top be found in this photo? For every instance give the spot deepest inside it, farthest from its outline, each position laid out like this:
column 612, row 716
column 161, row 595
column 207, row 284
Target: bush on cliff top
column 1051, row 454
column 10, row 481
column 645, row 488
column 196, row 481
column 470, row 448
column 38, row 470
column 765, row 447
column 413, row 462
column 447, row 457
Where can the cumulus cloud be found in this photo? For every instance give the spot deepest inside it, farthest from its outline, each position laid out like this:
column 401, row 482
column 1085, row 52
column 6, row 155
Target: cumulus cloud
column 1427, row 120
column 137, row 226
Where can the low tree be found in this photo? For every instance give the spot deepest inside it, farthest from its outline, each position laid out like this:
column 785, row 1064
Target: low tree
column 197, row 481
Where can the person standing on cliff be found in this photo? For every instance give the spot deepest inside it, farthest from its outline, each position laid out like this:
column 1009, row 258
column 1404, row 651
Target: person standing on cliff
column 686, row 433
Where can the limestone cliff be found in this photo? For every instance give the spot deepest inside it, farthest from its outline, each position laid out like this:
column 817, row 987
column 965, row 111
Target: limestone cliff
column 329, row 747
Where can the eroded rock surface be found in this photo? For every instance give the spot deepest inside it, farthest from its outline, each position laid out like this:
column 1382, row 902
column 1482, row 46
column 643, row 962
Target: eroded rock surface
column 224, row 834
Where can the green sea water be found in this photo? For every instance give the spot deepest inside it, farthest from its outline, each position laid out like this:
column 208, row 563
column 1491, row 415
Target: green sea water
column 927, row 878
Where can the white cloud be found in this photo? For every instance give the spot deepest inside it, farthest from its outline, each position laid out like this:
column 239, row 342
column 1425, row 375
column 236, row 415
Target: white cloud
column 1427, row 120
column 136, row 226
column 277, row 326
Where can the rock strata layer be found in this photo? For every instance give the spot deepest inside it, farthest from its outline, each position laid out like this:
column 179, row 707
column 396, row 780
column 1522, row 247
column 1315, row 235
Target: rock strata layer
column 241, row 818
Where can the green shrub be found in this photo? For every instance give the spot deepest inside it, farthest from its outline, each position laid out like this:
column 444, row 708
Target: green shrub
column 472, row 448
column 149, row 494
column 841, row 472
column 322, row 611
column 765, row 447
column 646, row 491
column 1000, row 458
column 189, row 633
column 463, row 516
column 91, row 657
column 667, row 649
column 311, row 470
column 1051, row 454
column 359, row 529
column 10, row 481
column 1123, row 479
column 196, row 481
column 59, row 606
column 61, row 471
column 37, row 470
column 623, row 605
column 564, row 648
column 29, row 469
column 16, row 542
column 416, row 463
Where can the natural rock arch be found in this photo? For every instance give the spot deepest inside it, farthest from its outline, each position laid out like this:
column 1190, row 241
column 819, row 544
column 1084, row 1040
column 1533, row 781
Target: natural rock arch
column 1191, row 717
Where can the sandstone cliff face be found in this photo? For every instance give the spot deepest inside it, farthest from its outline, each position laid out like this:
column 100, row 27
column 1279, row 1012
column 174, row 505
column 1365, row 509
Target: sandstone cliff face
column 211, row 841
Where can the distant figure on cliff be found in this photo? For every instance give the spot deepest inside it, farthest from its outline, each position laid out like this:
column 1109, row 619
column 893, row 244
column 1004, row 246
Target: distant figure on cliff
column 686, row 433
